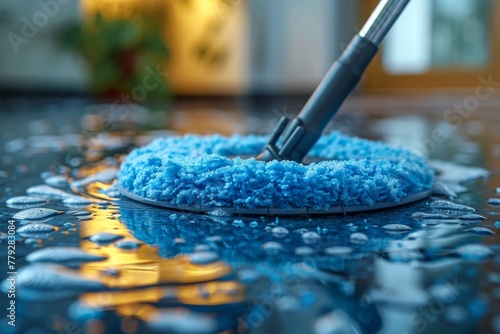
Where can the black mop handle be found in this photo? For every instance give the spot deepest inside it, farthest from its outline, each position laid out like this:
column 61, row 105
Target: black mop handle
column 297, row 138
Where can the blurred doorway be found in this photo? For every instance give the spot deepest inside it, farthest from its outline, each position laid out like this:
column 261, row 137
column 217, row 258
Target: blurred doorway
column 438, row 45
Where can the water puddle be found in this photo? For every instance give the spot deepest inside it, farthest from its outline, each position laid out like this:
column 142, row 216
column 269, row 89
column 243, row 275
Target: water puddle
column 106, row 264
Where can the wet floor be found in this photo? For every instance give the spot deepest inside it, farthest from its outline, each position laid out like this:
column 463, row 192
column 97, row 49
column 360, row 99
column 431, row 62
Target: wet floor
column 87, row 260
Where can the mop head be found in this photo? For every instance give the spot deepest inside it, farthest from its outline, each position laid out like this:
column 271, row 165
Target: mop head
column 201, row 173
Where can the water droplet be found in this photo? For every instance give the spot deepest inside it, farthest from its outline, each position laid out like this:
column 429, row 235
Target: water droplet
column 280, row 232
column 494, row 201
column 453, row 172
column 481, row 231
column 497, row 224
column 442, row 189
column 52, row 281
column 112, row 191
column 81, row 214
column 36, row 213
column 30, row 241
column 310, row 237
column 498, row 190
column 474, row 252
column 84, row 217
column 304, row 251
column 204, row 257
column 338, row 250
column 63, row 255
column 105, row 238
column 105, row 176
column 447, row 205
column 172, row 217
column 128, row 244
column 471, row 216
column 23, row 200
column 36, row 228
column 47, row 192
column 77, row 200
column 181, row 322
column 253, row 224
column 15, row 145
column 57, row 181
column 397, row 227
column 238, row 223
column 424, row 215
column 359, row 238
column 272, row 246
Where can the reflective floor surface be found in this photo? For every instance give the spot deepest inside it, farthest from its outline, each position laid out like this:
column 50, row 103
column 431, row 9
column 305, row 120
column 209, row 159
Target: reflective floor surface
column 83, row 259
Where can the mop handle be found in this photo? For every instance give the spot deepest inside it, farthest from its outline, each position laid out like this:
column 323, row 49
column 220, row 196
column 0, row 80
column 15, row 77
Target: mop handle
column 297, row 138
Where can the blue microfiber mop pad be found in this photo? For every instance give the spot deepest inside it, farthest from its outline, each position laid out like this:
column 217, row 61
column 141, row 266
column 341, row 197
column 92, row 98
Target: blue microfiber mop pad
column 195, row 170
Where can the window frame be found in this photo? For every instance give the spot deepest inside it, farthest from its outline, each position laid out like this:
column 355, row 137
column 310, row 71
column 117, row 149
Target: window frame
column 378, row 80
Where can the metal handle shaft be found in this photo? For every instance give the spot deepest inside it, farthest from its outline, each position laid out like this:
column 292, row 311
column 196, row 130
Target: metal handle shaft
column 382, row 19
column 295, row 141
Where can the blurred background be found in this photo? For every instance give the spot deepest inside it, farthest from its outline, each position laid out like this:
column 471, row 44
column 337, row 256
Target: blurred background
column 159, row 53
column 84, row 81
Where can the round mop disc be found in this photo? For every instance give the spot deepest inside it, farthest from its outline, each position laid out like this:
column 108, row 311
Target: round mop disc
column 205, row 173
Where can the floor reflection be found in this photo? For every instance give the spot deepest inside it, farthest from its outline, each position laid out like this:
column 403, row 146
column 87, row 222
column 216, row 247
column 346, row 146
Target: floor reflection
column 168, row 271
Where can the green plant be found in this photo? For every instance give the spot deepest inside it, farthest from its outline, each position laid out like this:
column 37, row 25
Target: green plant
column 119, row 52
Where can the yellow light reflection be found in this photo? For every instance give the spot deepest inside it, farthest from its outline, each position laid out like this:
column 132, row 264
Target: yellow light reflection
column 146, row 276
column 206, row 294
column 140, row 267
column 95, row 189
